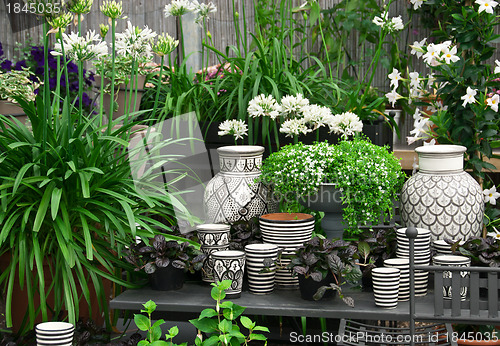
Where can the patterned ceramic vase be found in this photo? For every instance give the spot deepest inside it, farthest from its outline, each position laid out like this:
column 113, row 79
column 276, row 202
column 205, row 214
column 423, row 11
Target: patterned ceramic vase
column 442, row 197
column 233, row 195
column 230, row 265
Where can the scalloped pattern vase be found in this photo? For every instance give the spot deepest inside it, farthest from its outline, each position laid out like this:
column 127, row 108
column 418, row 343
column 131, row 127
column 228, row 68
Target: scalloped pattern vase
column 442, row 197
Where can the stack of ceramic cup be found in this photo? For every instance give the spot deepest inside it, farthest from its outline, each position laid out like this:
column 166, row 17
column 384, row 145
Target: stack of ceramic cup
column 288, row 235
column 403, row 264
column 260, row 275
column 54, row 333
column 386, row 286
column 455, row 261
column 422, row 255
column 213, row 237
column 442, row 247
column 229, row 265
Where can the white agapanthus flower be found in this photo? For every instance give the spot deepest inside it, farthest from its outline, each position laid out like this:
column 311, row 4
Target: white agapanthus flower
column 292, row 105
column 395, row 77
column 236, row 128
column 135, row 42
column 294, row 127
column 263, row 106
column 202, row 11
column 346, row 124
column 493, row 102
column 491, row 195
column 417, row 3
column 178, row 8
column 417, row 48
column 469, row 97
column 486, row 5
column 396, row 24
column 316, row 115
column 82, row 48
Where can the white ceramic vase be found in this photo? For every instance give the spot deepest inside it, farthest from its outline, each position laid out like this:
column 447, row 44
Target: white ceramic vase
column 233, row 195
column 442, row 197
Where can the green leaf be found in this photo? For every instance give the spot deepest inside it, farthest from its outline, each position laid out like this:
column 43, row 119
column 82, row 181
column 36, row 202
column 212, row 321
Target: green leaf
column 156, row 332
column 207, row 313
column 257, row 337
column 262, row 329
column 149, row 307
column 205, row 325
column 247, row 323
column 143, row 343
column 364, row 249
column 225, row 326
column 142, row 322
column 54, row 202
column 42, row 209
column 172, row 332
column 213, row 340
column 234, row 312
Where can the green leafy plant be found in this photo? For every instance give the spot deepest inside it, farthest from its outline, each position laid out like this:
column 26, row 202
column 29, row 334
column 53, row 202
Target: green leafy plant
column 162, row 253
column 318, row 257
column 220, row 324
column 368, row 175
column 154, row 332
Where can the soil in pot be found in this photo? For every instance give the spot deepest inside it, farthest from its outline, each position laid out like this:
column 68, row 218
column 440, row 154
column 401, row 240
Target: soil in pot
column 167, row 279
column 308, row 287
column 287, row 216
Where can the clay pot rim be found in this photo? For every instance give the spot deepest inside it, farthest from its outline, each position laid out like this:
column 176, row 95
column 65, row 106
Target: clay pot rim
column 286, row 217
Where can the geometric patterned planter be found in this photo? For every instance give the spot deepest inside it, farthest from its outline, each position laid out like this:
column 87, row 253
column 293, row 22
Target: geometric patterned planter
column 232, row 195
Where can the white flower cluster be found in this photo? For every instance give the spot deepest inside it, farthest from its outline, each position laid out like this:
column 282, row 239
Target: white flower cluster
column 346, row 124
column 81, row 48
column 236, row 128
column 298, row 115
column 417, row 3
column 179, row 8
column 135, row 42
column 391, row 25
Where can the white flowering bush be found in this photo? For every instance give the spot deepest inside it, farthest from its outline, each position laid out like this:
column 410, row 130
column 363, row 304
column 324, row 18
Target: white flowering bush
column 368, row 175
column 15, row 84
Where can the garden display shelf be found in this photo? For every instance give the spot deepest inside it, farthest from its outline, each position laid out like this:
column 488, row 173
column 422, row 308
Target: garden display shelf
column 194, row 297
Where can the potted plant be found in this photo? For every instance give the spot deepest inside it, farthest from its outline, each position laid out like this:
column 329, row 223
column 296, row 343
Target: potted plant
column 322, row 266
column 15, row 84
column 166, row 262
column 356, row 178
column 373, row 247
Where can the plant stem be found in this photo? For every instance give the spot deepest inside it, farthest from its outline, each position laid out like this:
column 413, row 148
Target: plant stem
column 157, row 97
column 80, row 91
column 113, row 56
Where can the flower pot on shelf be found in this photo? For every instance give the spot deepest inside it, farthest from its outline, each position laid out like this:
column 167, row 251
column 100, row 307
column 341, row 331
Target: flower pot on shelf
column 442, row 197
column 233, row 195
column 288, row 231
column 167, row 279
column 328, row 200
column 308, row 287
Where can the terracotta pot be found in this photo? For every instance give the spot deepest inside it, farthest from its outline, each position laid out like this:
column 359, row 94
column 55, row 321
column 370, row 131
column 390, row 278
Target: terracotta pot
column 478, row 342
column 7, row 108
column 121, row 96
column 20, row 298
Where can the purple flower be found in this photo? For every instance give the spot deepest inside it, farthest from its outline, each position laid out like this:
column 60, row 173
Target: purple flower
column 6, row 65
column 20, row 64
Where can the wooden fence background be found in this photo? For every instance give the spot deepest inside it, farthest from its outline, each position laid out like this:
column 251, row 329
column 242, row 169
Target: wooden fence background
column 221, row 26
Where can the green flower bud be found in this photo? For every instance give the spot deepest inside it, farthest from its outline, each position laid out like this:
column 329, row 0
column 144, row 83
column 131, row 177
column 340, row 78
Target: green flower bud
column 165, row 45
column 103, row 28
column 80, row 6
column 112, row 9
column 61, row 21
